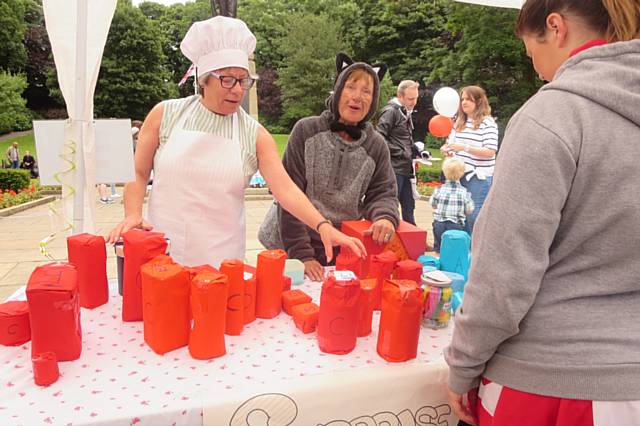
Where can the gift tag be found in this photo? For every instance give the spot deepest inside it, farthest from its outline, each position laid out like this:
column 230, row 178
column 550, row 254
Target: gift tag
column 344, row 275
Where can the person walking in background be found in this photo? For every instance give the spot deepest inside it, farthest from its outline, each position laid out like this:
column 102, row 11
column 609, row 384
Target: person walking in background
column 396, row 126
column 451, row 202
column 13, row 155
column 474, row 139
column 549, row 326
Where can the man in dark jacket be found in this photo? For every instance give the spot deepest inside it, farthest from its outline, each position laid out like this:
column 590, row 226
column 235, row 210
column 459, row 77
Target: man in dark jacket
column 396, row 127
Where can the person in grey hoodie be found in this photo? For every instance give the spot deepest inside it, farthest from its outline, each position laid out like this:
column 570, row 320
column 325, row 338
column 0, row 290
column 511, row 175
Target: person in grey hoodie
column 342, row 164
column 550, row 322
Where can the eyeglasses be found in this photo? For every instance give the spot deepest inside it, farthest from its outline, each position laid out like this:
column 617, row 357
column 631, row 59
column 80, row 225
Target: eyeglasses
column 229, row 82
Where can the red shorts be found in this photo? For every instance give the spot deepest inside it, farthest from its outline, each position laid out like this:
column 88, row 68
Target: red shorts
column 502, row 406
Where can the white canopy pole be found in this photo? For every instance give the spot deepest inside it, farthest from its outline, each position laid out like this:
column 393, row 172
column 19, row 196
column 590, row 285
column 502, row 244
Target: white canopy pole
column 80, row 90
column 513, row 4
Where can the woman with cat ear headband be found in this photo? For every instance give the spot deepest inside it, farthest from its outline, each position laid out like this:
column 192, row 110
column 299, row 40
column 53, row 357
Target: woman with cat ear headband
column 342, row 164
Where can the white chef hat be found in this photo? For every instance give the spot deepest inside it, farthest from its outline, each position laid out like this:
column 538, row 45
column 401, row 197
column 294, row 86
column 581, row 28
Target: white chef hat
column 218, row 42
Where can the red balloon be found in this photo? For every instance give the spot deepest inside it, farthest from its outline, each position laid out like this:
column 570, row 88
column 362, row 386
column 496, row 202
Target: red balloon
column 440, row 126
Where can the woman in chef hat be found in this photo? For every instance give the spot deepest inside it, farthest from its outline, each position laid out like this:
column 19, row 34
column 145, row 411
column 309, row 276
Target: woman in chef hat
column 203, row 150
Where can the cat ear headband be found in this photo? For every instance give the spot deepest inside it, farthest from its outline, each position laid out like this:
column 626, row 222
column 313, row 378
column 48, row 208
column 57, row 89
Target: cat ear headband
column 343, row 61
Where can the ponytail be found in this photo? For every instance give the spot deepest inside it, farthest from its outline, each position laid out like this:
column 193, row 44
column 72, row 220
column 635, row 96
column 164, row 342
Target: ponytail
column 617, row 20
column 624, row 19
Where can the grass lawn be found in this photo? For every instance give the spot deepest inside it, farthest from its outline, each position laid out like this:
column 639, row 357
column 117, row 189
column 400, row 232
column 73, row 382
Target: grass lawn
column 281, row 142
column 25, row 143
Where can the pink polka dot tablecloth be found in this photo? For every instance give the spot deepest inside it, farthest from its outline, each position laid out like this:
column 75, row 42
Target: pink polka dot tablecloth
column 119, row 380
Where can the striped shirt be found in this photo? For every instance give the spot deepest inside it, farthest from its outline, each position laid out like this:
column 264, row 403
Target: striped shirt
column 203, row 120
column 451, row 202
column 485, row 136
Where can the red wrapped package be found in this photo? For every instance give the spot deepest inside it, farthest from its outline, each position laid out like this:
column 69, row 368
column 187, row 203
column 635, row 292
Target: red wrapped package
column 139, row 248
column 365, row 313
column 286, row 283
column 269, row 273
column 349, row 261
column 209, row 305
column 14, row 323
column 290, row 298
column 45, row 368
column 234, row 270
column 195, row 270
column 249, row 300
column 165, row 301
column 381, row 268
column 54, row 311
column 399, row 320
column 408, row 270
column 338, row 319
column 88, row 254
column 305, row 316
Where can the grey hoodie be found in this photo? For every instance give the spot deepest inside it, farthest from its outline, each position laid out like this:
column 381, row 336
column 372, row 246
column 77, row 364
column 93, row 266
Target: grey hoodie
column 552, row 305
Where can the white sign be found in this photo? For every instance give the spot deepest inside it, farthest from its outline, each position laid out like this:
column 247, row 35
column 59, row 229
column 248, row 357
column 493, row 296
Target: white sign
column 114, row 150
column 397, row 395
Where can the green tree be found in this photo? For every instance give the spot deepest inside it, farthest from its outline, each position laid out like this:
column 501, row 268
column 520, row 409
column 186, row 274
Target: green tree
column 133, row 76
column 12, row 27
column 14, row 114
column 486, row 52
column 306, row 77
column 39, row 65
column 404, row 34
column 174, row 24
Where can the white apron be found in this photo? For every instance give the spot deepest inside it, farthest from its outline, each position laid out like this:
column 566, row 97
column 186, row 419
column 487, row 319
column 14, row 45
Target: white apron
column 197, row 198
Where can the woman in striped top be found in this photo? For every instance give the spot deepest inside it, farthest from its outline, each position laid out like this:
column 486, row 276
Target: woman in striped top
column 474, row 139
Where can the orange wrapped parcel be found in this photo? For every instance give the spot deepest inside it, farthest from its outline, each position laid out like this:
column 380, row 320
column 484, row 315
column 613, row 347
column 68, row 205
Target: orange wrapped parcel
column 14, row 323
column 234, row 270
column 290, row 298
column 54, row 311
column 249, row 300
column 139, row 248
column 365, row 313
column 305, row 316
column 165, row 297
column 349, row 261
column 45, row 368
column 399, row 320
column 269, row 279
column 408, row 270
column 88, row 253
column 209, row 306
column 338, row 319
column 381, row 267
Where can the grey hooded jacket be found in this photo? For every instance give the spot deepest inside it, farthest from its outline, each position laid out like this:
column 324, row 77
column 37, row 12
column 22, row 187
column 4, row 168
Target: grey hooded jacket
column 552, row 305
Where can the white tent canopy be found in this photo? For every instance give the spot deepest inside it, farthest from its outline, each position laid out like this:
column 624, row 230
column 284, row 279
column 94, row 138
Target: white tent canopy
column 513, row 4
column 78, row 32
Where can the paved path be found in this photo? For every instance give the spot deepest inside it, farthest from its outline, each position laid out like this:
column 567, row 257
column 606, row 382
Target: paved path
column 14, row 135
column 20, row 234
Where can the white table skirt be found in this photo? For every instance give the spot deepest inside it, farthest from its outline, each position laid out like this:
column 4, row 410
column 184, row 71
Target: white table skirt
column 119, row 380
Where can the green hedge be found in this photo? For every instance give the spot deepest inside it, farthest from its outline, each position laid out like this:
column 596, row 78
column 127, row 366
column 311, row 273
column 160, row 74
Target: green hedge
column 14, row 179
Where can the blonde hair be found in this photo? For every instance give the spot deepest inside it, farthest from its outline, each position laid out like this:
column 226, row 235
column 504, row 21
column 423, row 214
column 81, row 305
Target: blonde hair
column 406, row 84
column 617, row 20
column 483, row 109
column 453, row 169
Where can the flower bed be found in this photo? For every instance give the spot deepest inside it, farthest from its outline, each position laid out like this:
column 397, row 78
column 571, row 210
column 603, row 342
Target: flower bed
column 10, row 198
column 426, row 188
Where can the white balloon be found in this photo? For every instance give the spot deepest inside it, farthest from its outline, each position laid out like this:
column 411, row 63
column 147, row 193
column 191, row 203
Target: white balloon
column 446, row 101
